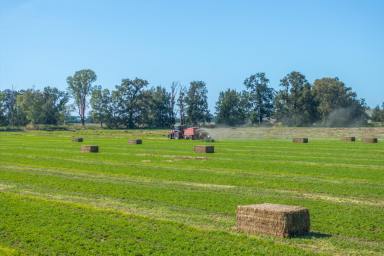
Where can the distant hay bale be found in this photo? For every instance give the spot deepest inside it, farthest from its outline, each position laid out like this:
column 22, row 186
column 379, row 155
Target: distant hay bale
column 300, row 140
column 273, row 219
column 349, row 139
column 204, row 149
column 136, row 141
column 90, row 148
column 370, row 140
column 78, row 139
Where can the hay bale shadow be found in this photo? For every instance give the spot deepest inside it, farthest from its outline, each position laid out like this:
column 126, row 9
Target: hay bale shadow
column 312, row 235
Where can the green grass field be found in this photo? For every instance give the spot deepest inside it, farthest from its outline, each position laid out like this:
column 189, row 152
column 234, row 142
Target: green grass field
column 160, row 198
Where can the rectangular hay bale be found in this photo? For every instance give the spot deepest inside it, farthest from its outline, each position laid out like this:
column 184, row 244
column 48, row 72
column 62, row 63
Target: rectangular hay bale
column 349, row 138
column 136, row 141
column 370, row 140
column 204, row 149
column 78, row 139
column 300, row 140
column 273, row 219
column 89, row 148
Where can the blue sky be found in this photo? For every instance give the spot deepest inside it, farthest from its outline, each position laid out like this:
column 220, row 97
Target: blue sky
column 219, row 42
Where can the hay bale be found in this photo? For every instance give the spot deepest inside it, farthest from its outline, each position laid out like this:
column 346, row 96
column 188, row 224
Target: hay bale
column 136, row 141
column 78, row 139
column 370, row 140
column 90, row 148
column 204, row 149
column 300, row 140
column 273, row 219
column 349, row 139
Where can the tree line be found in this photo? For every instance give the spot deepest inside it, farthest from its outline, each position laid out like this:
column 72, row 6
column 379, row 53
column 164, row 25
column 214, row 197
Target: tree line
column 326, row 102
column 134, row 104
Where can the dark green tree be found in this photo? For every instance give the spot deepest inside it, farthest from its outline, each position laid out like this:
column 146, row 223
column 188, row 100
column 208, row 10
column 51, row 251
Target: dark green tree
column 3, row 119
column 12, row 114
column 30, row 102
column 294, row 103
column 160, row 108
column 197, row 103
column 231, row 108
column 130, row 101
column 101, row 105
column 80, row 86
column 54, row 105
column 378, row 114
column 260, row 97
column 43, row 107
column 337, row 104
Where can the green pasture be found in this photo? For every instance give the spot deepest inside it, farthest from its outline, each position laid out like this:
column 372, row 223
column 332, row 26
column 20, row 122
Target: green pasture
column 161, row 198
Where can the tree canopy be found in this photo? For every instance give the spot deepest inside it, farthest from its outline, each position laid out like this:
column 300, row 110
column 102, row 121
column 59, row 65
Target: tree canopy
column 80, row 86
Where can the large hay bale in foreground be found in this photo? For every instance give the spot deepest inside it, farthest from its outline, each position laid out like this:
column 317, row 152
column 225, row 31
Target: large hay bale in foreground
column 300, row 140
column 349, row 139
column 370, row 140
column 204, row 149
column 273, row 219
column 78, row 139
column 90, row 148
column 136, row 141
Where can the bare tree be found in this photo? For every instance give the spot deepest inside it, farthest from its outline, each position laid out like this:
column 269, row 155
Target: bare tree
column 172, row 101
column 181, row 103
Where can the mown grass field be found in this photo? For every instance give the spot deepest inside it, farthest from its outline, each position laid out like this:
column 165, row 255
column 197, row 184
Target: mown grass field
column 160, row 198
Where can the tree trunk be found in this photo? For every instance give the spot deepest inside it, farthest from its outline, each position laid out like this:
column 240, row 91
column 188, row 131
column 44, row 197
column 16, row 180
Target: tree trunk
column 82, row 121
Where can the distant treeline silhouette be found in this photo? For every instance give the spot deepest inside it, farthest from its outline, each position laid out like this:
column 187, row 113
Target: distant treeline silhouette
column 133, row 104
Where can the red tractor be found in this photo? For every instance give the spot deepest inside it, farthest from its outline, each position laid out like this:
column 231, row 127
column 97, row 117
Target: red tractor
column 179, row 132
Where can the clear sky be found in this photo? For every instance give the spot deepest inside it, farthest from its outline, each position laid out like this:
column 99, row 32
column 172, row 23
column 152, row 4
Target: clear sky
column 219, row 42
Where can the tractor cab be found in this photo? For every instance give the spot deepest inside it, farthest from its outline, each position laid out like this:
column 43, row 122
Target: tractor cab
column 177, row 132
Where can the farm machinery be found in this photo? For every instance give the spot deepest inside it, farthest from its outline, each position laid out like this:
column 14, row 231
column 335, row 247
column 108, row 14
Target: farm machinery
column 190, row 133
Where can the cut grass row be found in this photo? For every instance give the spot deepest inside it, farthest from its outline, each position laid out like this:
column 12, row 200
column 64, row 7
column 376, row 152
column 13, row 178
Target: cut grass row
column 354, row 182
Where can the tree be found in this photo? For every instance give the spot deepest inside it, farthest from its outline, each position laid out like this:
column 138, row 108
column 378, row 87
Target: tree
column 101, row 105
column 160, row 110
column 130, row 104
column 80, row 86
column 30, row 102
column 54, row 105
column 378, row 114
column 260, row 97
column 231, row 108
column 3, row 118
column 43, row 107
column 172, row 101
column 197, row 103
column 337, row 104
column 294, row 103
column 12, row 114
column 181, row 104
